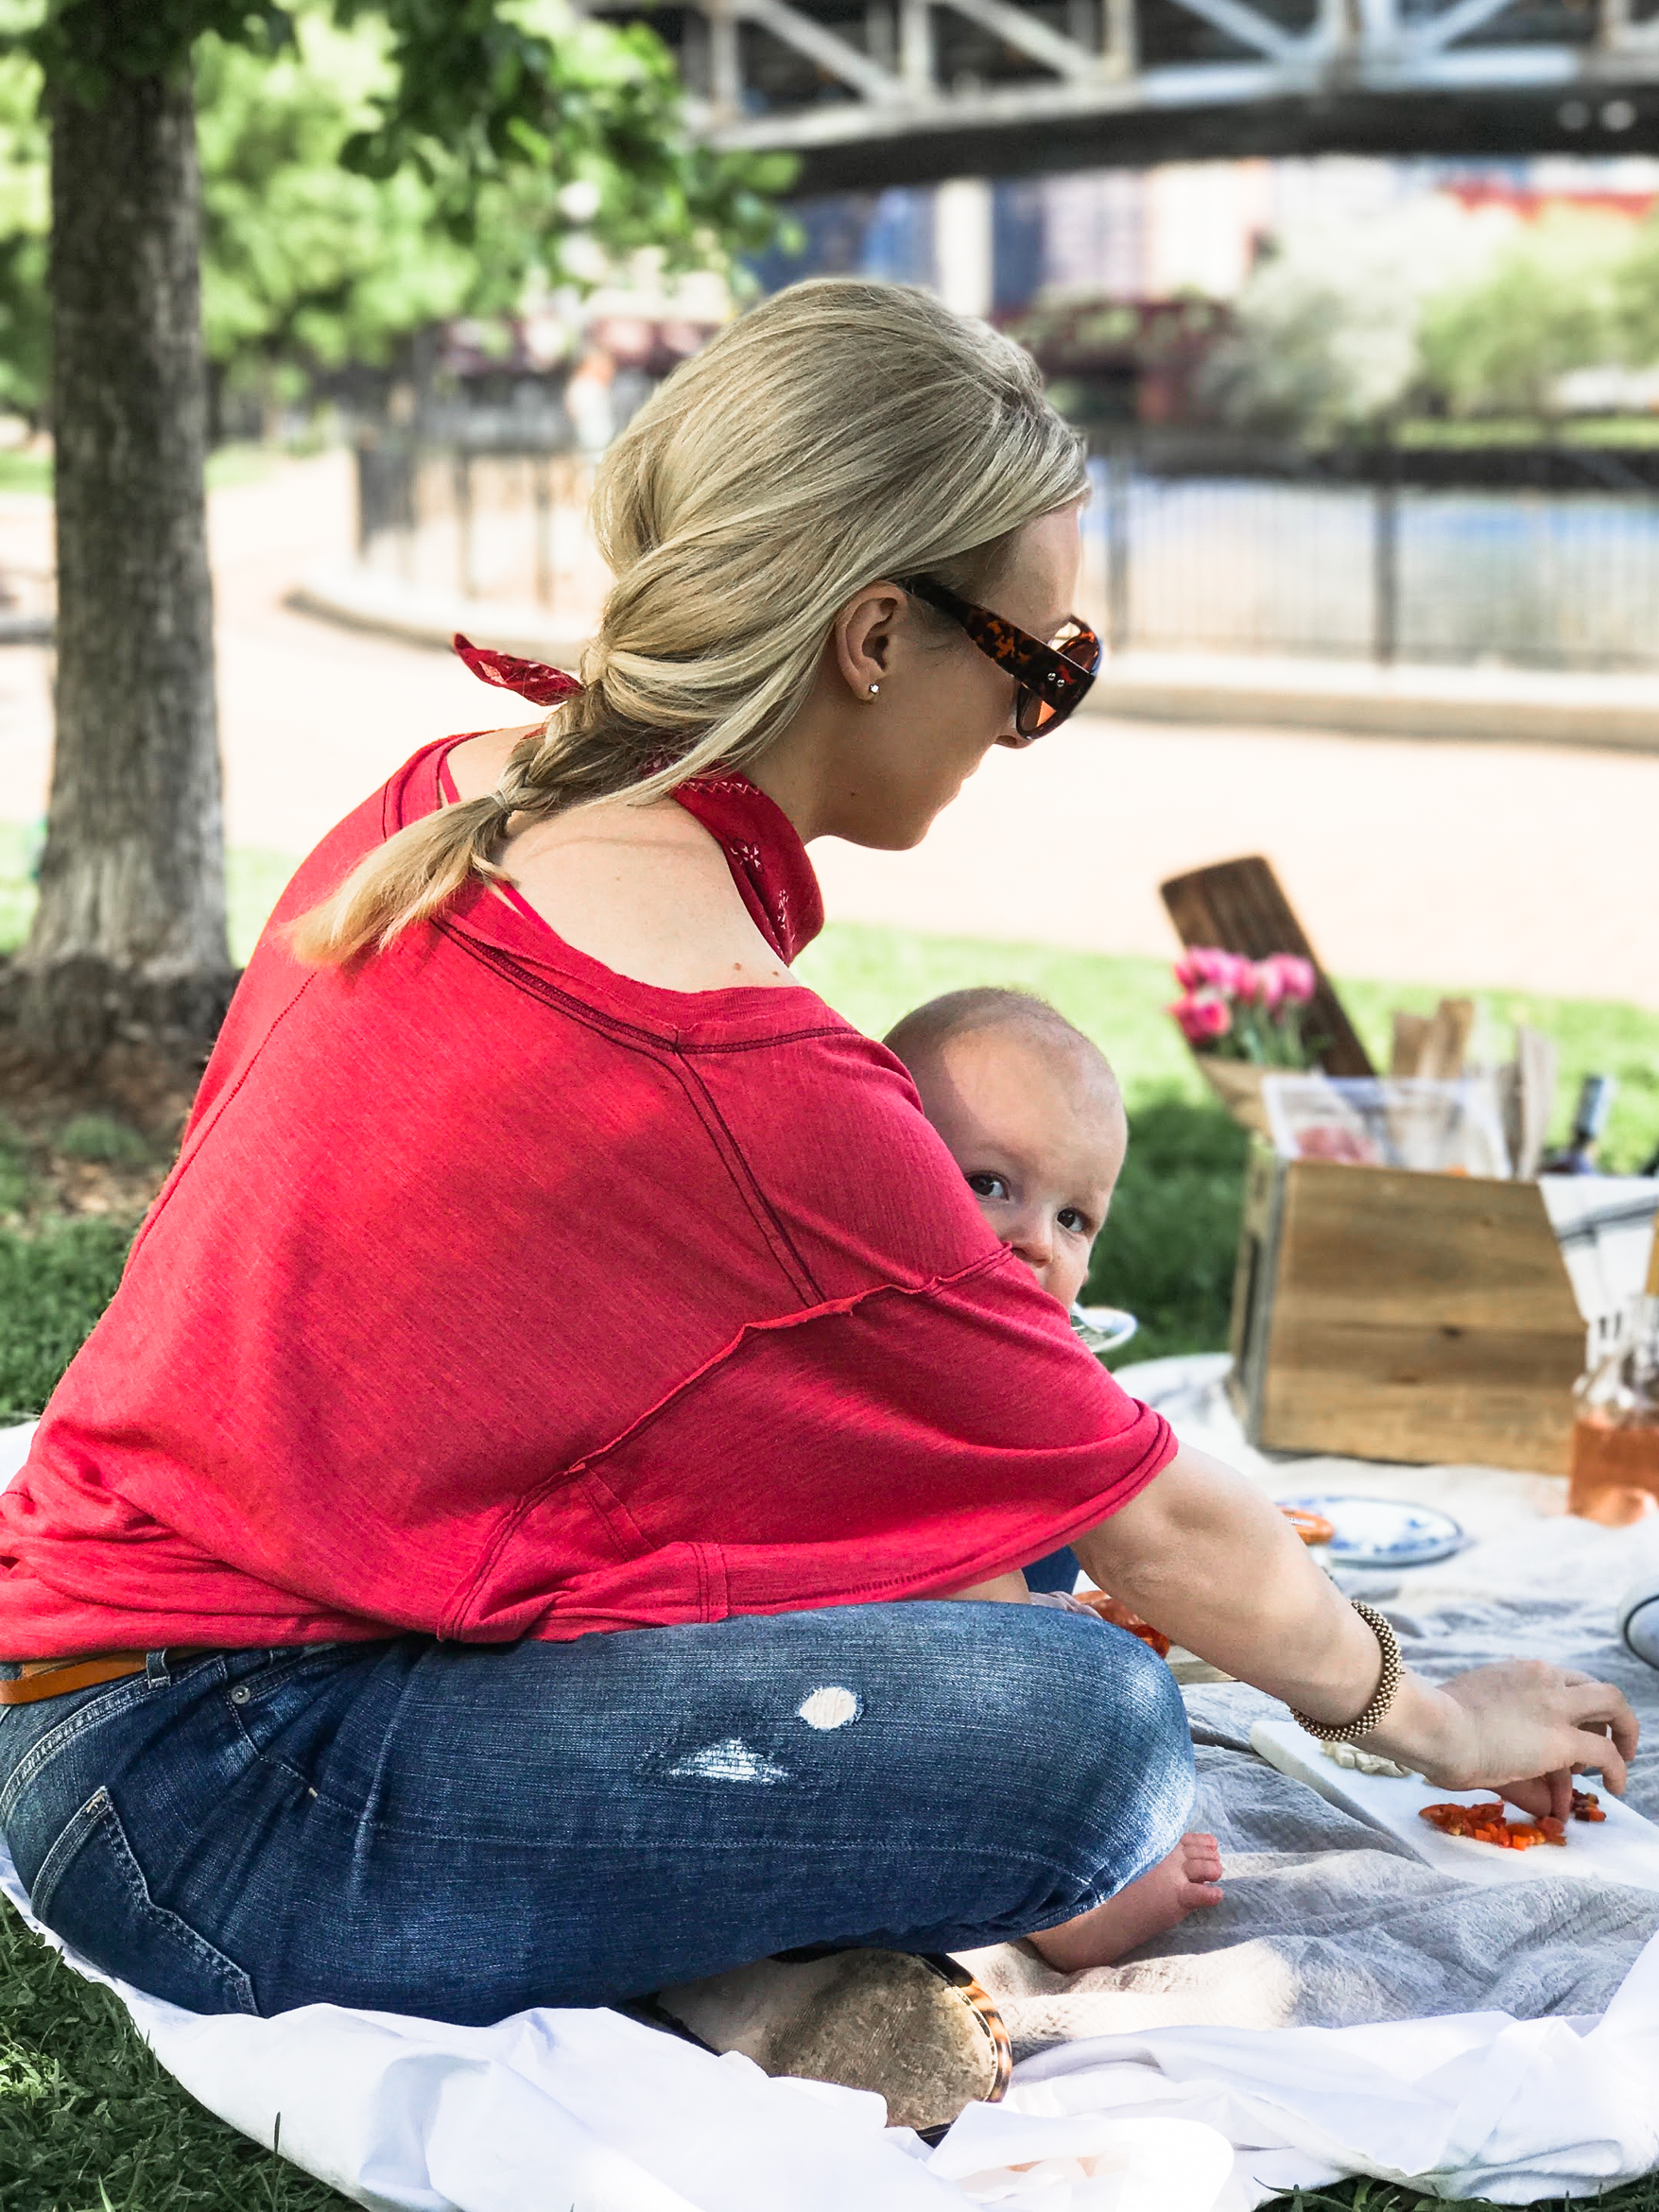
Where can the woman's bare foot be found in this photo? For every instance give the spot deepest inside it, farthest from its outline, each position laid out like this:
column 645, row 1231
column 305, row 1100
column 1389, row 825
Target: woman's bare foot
column 1185, row 1882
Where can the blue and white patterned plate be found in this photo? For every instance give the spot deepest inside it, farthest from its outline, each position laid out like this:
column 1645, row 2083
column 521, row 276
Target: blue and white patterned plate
column 1382, row 1532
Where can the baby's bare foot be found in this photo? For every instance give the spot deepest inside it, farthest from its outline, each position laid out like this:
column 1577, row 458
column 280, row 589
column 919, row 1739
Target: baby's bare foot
column 1185, row 1882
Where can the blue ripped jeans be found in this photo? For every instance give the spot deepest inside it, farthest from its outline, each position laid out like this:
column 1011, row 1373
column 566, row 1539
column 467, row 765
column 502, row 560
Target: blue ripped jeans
column 462, row 1831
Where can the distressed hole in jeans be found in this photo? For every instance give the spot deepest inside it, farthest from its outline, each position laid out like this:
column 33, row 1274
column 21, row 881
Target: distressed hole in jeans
column 731, row 1760
column 829, row 1707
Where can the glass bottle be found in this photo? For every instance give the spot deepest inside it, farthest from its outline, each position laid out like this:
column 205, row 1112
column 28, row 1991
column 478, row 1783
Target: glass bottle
column 1578, row 1155
column 1616, row 1438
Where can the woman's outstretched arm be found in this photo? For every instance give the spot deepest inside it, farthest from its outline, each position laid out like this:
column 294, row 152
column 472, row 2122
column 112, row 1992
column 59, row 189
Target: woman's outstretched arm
column 1202, row 1554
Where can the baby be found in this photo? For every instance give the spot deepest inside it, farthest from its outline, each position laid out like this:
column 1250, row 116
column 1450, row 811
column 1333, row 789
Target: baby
column 1030, row 1111
column 1032, row 1115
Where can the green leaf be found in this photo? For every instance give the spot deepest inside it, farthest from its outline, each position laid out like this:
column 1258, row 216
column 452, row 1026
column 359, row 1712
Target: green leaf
column 83, row 44
column 371, row 167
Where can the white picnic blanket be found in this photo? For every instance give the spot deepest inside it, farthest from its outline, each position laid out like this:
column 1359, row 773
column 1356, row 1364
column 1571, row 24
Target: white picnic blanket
column 1341, row 2015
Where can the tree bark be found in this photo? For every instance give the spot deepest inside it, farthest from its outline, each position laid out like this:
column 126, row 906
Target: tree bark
column 129, row 938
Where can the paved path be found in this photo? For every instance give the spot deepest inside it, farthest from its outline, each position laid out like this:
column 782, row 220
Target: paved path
column 312, row 716
column 1433, row 860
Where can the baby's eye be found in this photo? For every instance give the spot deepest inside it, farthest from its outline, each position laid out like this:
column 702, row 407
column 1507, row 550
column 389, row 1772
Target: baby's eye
column 1071, row 1220
column 987, row 1185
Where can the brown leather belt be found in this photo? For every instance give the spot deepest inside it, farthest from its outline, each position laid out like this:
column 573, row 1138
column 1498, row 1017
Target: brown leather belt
column 56, row 1678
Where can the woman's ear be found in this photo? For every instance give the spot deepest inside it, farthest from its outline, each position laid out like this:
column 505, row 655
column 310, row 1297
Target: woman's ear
column 864, row 638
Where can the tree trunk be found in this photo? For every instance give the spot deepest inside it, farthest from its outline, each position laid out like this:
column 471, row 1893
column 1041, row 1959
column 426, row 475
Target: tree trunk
column 129, row 938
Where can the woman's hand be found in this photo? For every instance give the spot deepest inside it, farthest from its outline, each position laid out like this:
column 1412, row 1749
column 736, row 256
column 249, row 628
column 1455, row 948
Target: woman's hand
column 1523, row 1728
column 1203, row 1555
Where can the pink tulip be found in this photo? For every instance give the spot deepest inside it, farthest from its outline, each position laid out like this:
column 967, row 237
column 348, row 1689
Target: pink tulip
column 1300, row 979
column 1269, row 985
column 1201, row 1018
column 1206, row 967
column 1286, row 978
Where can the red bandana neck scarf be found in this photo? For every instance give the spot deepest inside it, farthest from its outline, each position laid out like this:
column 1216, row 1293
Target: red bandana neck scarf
column 532, row 680
column 768, row 862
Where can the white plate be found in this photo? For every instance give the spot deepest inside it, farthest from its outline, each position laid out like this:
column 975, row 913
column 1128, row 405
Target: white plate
column 1380, row 1531
column 1622, row 1848
column 1110, row 1327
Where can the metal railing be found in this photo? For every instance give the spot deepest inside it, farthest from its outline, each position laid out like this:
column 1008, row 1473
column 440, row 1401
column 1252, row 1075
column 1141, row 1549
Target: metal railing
column 1544, row 558
column 490, row 522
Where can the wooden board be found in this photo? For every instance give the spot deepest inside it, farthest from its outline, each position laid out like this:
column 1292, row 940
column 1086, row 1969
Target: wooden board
column 1387, row 1245
column 1253, row 1273
column 1624, row 1848
column 1240, row 906
column 1385, row 1314
column 1419, row 1397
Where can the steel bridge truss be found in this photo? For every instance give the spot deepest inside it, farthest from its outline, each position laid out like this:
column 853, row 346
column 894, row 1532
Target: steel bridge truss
column 880, row 91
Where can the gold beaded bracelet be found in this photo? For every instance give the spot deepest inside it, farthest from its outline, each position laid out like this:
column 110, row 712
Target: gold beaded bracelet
column 1345, row 1731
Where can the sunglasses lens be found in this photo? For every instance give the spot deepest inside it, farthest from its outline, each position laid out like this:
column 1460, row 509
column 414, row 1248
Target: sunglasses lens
column 1033, row 714
column 1082, row 648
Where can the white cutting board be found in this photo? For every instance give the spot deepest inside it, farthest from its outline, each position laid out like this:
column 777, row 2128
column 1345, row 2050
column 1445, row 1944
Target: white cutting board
column 1622, row 1848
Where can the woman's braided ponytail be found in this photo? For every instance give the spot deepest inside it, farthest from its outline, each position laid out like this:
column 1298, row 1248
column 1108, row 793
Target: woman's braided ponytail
column 838, row 433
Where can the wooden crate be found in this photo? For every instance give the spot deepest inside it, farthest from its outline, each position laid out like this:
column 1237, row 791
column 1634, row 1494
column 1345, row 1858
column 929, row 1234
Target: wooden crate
column 1384, row 1315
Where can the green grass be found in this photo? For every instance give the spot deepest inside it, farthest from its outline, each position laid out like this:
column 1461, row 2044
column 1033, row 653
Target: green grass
column 15, row 1177
column 54, row 1284
column 1362, row 2194
column 227, row 464
column 1477, row 430
column 88, row 2121
column 872, row 975
column 20, row 855
column 241, row 464
column 100, row 1138
column 25, row 471
column 254, row 880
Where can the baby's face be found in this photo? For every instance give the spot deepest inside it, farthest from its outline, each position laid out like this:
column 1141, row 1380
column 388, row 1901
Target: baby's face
column 1037, row 1128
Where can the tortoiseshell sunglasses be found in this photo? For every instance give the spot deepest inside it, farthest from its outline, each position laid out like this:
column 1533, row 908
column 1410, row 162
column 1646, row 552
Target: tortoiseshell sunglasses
column 1053, row 677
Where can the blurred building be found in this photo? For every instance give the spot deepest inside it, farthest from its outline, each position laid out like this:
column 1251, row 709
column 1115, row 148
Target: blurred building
column 1120, row 278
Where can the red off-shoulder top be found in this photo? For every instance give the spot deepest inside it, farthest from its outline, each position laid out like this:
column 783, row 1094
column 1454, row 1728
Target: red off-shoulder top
column 495, row 1294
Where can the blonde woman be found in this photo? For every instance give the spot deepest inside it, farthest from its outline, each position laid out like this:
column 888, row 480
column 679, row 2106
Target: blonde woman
column 460, row 1572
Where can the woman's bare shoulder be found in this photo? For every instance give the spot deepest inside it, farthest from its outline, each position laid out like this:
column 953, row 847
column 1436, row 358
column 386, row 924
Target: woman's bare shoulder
column 644, row 889
column 647, row 892
column 476, row 763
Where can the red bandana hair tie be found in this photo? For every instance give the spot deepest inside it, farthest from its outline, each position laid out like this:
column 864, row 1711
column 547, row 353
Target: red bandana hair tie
column 532, row 680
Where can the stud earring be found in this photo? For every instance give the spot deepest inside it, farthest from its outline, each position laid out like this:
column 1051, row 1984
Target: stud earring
column 874, row 689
